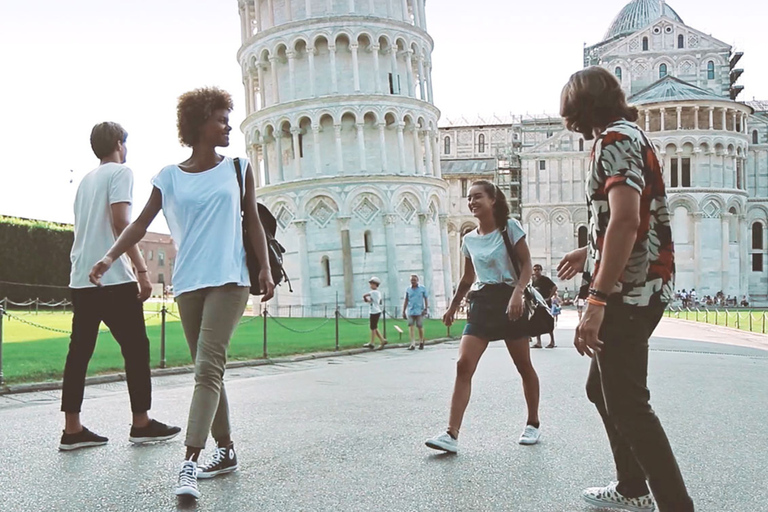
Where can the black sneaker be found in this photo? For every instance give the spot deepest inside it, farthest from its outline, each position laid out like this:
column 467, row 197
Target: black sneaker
column 82, row 439
column 421, row 346
column 153, row 432
column 224, row 461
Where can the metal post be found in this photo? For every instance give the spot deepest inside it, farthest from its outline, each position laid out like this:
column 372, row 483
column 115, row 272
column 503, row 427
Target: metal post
column 265, row 331
column 162, row 336
column 37, row 305
column 750, row 321
column 2, row 315
column 336, row 314
column 726, row 318
column 384, row 314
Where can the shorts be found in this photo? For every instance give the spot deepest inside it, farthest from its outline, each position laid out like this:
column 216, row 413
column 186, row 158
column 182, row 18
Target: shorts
column 417, row 320
column 487, row 315
column 374, row 320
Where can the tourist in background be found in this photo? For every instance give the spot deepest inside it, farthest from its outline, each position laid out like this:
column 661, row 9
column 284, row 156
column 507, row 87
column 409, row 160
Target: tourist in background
column 630, row 256
column 102, row 212
column 201, row 200
column 547, row 288
column 415, row 308
column 495, row 308
column 373, row 298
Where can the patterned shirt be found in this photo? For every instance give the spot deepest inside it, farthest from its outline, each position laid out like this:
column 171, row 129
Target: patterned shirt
column 623, row 155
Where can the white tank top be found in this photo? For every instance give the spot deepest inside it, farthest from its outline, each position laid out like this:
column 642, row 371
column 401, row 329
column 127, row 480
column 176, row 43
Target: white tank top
column 203, row 213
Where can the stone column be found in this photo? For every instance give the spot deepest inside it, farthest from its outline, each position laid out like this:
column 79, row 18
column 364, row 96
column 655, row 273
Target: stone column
column 426, row 258
column 711, row 118
column 725, row 119
column 437, row 172
column 311, row 57
column 288, row 11
column 279, row 151
column 371, row 6
column 697, row 249
column 679, row 118
column 383, row 143
column 361, row 146
column 316, row 144
column 291, row 54
column 295, row 132
column 663, row 120
column 446, row 248
column 305, row 279
column 390, row 10
column 422, row 91
column 744, row 123
column 430, row 93
column 696, row 118
column 743, row 256
column 257, row 9
column 377, row 71
column 409, row 80
column 273, row 70
column 244, row 21
column 401, row 145
column 416, row 13
column 308, row 8
column 334, row 77
column 647, row 120
column 271, row 13
column 257, row 165
column 351, row 5
column 346, row 255
column 725, row 250
column 265, row 156
column 394, row 293
column 734, row 121
column 428, row 151
column 418, row 157
column 262, row 88
column 355, row 65
column 339, row 151
column 248, row 83
column 406, row 18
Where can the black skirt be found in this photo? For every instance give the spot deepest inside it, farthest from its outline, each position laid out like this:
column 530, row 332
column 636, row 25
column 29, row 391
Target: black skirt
column 487, row 315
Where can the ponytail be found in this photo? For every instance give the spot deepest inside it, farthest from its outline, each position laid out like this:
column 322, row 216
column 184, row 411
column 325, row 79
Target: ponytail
column 500, row 206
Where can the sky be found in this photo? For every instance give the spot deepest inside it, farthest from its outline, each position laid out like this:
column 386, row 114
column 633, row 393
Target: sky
column 67, row 65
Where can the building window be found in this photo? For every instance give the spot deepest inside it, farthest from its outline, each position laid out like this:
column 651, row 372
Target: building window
column 662, row 71
column 581, row 144
column 394, row 84
column 757, row 262
column 481, row 143
column 326, row 264
column 542, row 165
column 686, row 172
column 151, row 256
column 645, row 44
column 681, row 41
column 617, row 72
column 301, row 145
column 583, row 237
column 673, row 173
column 447, row 145
column 711, row 70
column 757, row 236
column 463, row 187
column 368, row 239
column 160, row 258
column 755, row 136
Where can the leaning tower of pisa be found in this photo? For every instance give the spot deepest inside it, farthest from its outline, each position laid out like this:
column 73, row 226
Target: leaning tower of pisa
column 342, row 130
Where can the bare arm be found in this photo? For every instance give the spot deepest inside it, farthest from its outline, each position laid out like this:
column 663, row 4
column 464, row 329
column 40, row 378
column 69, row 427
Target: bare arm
column 120, row 221
column 620, row 236
column 526, row 267
column 258, row 238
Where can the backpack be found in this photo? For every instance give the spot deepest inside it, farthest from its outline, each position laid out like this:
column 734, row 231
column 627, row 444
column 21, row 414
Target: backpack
column 275, row 250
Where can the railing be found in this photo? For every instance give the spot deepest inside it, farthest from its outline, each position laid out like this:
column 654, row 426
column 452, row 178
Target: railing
column 746, row 319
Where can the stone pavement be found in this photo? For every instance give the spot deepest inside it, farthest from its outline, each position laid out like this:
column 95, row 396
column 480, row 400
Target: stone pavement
column 347, row 434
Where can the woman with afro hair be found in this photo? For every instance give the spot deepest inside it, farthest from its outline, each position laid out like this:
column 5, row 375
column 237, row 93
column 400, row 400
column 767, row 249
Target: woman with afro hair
column 200, row 198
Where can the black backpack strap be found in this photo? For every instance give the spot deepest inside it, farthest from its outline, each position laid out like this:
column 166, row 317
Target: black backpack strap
column 239, row 172
column 510, row 250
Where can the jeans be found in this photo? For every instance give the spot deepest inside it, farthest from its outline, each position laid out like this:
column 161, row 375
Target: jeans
column 209, row 317
column 617, row 385
column 121, row 310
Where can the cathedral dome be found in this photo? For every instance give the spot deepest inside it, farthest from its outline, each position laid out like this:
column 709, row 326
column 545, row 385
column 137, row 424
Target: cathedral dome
column 637, row 15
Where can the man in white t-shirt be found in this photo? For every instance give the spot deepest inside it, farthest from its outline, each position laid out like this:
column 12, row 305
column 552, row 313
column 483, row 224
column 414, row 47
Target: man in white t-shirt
column 102, row 212
column 373, row 298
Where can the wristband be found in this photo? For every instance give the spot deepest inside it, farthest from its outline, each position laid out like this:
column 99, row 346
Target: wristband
column 596, row 302
column 142, row 271
column 594, row 292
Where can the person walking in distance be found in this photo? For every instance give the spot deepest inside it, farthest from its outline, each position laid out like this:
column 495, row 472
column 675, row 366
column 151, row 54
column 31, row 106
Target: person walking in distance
column 102, row 212
column 201, row 200
column 547, row 288
column 373, row 298
column 415, row 308
column 495, row 308
column 630, row 256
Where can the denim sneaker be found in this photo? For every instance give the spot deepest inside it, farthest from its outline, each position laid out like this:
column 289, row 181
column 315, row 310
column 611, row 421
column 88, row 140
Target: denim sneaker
column 530, row 435
column 82, row 439
column 444, row 442
column 187, row 485
column 609, row 497
column 224, row 460
column 153, row 432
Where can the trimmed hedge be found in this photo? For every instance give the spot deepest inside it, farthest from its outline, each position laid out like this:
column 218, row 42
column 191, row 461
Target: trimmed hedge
column 34, row 252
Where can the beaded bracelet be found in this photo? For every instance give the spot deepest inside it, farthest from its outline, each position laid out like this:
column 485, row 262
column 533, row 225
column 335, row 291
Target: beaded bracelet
column 598, row 294
column 596, row 302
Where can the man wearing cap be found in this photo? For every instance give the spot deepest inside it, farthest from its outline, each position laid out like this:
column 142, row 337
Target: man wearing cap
column 373, row 298
column 415, row 308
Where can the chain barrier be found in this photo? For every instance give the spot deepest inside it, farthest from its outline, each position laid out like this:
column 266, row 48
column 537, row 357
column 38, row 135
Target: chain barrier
column 19, row 304
column 33, row 324
column 249, row 320
column 36, row 285
column 297, row 331
column 351, row 322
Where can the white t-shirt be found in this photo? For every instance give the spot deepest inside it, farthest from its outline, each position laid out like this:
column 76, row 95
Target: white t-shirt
column 489, row 255
column 375, row 301
column 102, row 187
column 203, row 213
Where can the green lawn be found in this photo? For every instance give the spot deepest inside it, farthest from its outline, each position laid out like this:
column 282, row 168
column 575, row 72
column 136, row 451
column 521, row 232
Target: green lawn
column 32, row 354
column 743, row 319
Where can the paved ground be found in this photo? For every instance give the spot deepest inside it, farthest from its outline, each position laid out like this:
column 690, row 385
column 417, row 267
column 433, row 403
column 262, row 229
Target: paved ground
column 346, row 434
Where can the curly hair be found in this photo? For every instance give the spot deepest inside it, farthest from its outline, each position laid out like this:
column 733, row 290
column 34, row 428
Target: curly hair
column 593, row 98
column 194, row 109
column 500, row 206
column 105, row 136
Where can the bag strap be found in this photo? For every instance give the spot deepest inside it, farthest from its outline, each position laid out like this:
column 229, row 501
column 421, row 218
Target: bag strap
column 239, row 172
column 510, row 250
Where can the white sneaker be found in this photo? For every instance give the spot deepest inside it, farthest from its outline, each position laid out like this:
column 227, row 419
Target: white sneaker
column 609, row 497
column 444, row 442
column 530, row 435
column 187, row 485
